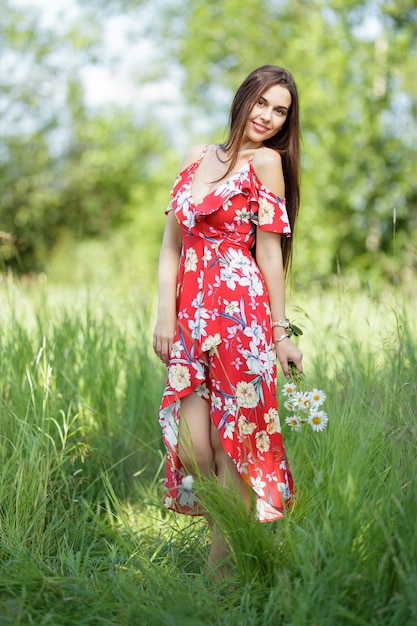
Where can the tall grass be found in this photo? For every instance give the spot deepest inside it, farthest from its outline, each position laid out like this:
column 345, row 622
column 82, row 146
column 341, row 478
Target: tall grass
column 84, row 539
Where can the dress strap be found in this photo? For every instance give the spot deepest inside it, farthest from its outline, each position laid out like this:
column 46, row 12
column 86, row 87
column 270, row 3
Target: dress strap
column 203, row 153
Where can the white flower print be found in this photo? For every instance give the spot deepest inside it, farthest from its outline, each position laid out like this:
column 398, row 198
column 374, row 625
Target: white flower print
column 179, row 377
column 198, row 325
column 266, row 212
column 230, row 406
column 176, row 349
column 169, row 501
column 262, row 441
column 237, row 363
column 240, row 261
column 189, row 221
column 213, row 286
column 216, row 402
column 199, row 369
column 211, row 342
column 226, row 188
column 246, row 395
column 258, row 485
column 185, row 491
column 245, row 426
column 272, row 477
column 229, row 429
column 243, row 216
column 253, row 362
column 188, row 482
column 190, row 264
column 242, row 467
column 226, row 204
column 272, row 421
column 284, row 489
column 260, row 362
column 200, row 280
column 231, row 307
column 255, row 331
column 207, row 256
column 169, row 424
column 255, row 286
column 229, row 277
column 202, row 391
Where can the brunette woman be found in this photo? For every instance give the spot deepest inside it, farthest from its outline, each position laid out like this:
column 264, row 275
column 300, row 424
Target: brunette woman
column 221, row 322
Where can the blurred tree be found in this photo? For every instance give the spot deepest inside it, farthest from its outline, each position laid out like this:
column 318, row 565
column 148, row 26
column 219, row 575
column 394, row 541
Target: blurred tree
column 65, row 171
column 355, row 63
column 356, row 67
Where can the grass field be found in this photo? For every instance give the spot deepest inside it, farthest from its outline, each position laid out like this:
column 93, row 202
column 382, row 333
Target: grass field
column 84, row 539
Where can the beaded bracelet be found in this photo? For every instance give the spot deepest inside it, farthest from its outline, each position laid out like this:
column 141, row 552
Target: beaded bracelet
column 284, row 336
column 282, row 323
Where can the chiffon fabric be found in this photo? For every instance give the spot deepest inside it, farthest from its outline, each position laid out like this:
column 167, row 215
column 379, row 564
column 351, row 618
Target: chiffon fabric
column 223, row 346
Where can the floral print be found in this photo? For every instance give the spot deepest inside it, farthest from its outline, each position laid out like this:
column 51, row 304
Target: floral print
column 223, row 348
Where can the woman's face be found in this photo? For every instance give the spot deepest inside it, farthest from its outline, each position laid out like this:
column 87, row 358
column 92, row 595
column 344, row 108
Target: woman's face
column 268, row 115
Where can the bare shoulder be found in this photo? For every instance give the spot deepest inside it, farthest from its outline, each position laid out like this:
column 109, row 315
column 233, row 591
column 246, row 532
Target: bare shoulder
column 267, row 164
column 192, row 155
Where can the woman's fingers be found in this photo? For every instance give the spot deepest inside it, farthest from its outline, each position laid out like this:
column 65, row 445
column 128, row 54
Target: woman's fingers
column 162, row 348
column 287, row 354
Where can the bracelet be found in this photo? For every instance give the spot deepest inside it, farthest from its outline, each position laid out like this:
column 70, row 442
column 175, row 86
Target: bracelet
column 284, row 336
column 282, row 323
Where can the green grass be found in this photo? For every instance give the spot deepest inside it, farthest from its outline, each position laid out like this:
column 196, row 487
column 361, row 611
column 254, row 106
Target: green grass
column 84, row 539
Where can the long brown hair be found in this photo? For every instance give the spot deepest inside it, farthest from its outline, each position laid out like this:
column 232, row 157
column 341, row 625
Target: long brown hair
column 286, row 141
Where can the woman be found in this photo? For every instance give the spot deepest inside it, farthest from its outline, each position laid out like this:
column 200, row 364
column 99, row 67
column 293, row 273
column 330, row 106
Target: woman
column 221, row 320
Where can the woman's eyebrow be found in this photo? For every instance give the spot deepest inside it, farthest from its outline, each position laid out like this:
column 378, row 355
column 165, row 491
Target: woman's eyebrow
column 278, row 106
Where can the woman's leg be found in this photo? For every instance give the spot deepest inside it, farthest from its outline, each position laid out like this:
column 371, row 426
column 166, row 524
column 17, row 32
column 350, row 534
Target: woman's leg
column 229, row 477
column 194, row 438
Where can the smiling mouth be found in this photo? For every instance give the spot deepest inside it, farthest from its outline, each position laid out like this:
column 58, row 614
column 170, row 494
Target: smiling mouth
column 260, row 128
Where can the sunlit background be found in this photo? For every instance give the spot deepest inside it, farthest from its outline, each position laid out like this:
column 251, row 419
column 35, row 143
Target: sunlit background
column 100, row 99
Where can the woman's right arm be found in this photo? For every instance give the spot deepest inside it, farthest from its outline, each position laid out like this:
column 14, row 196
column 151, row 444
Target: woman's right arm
column 169, row 257
column 167, row 283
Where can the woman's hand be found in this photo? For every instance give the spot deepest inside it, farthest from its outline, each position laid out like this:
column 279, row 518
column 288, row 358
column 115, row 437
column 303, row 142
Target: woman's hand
column 287, row 352
column 163, row 337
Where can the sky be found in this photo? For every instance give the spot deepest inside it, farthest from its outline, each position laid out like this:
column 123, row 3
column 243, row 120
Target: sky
column 111, row 82
column 117, row 80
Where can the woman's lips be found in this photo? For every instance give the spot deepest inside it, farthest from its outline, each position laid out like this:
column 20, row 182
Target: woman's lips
column 259, row 127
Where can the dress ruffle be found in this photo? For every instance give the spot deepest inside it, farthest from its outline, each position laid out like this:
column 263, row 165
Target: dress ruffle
column 223, row 348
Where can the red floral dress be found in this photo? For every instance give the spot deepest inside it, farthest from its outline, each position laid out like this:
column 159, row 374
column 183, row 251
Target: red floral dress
column 223, row 346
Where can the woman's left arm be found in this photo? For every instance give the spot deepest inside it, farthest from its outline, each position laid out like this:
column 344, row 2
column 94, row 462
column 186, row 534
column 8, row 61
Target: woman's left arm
column 268, row 167
column 269, row 260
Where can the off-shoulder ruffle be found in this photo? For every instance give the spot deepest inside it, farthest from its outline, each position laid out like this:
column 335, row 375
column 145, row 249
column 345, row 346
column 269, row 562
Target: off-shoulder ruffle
column 244, row 182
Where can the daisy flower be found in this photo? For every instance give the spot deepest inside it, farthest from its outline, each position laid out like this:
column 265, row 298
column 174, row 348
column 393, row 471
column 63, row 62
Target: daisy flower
column 318, row 420
column 289, row 388
column 304, row 403
column 294, row 422
column 317, row 397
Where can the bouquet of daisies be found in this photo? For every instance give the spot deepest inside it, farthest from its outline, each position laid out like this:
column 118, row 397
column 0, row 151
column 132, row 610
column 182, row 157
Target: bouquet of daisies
column 304, row 403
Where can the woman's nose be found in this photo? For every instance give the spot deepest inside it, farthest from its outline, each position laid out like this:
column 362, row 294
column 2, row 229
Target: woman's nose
column 266, row 114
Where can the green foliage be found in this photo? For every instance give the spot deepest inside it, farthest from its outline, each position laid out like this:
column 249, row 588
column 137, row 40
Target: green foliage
column 66, row 172
column 357, row 87
column 84, row 537
column 82, row 381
